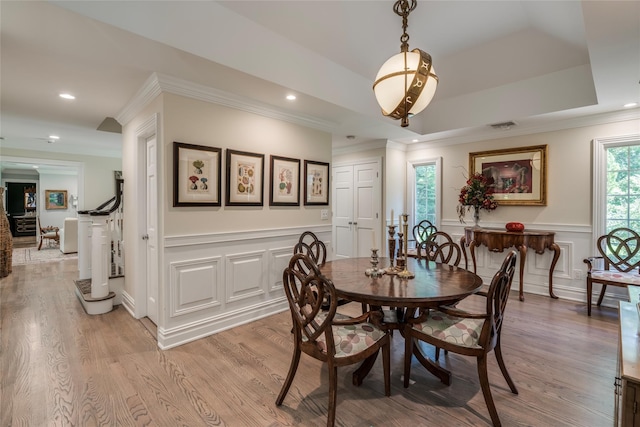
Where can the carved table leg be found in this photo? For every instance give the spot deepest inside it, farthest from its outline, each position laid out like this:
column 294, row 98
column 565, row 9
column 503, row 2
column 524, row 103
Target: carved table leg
column 523, row 259
column 443, row 374
column 364, row 368
column 556, row 255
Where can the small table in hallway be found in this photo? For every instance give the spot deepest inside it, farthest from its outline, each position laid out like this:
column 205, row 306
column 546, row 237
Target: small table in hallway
column 434, row 285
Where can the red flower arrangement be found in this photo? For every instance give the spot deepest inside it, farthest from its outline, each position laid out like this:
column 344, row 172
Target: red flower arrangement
column 477, row 194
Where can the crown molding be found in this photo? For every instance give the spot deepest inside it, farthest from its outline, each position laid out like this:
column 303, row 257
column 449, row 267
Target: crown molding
column 159, row 83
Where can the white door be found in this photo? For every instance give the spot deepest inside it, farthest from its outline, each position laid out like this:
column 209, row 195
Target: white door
column 356, row 206
column 152, row 230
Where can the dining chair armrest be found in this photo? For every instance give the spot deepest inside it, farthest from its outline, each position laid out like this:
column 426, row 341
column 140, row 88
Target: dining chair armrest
column 589, row 261
column 374, row 317
column 461, row 313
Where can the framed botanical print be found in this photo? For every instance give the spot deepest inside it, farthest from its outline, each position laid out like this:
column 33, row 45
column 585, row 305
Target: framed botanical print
column 245, row 175
column 284, row 185
column 196, row 175
column 316, row 183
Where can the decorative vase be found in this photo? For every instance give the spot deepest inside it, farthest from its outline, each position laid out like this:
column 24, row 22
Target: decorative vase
column 476, row 216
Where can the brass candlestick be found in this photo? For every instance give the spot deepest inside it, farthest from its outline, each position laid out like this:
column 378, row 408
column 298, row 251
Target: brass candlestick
column 400, row 258
column 392, row 250
column 405, row 274
column 374, row 271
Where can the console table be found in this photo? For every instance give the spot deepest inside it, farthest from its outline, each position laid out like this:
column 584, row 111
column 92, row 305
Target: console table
column 498, row 239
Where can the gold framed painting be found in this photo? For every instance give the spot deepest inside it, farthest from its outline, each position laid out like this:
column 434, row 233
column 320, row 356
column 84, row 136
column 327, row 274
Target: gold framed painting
column 55, row 199
column 519, row 174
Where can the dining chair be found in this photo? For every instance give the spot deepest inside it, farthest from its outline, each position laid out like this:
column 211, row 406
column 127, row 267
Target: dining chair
column 421, row 232
column 469, row 334
column 620, row 254
column 327, row 336
column 49, row 234
column 309, row 244
column 440, row 247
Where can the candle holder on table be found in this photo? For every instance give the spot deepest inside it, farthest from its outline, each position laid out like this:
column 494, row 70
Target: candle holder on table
column 392, row 250
column 374, row 271
column 400, row 257
column 405, row 274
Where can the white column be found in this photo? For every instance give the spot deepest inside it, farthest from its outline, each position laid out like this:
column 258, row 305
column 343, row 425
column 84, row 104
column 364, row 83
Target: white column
column 100, row 248
column 84, row 245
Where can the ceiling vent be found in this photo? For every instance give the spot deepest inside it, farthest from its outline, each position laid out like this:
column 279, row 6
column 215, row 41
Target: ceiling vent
column 504, row 125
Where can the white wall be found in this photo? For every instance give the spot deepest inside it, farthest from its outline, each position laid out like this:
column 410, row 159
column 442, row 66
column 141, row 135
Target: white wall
column 55, row 217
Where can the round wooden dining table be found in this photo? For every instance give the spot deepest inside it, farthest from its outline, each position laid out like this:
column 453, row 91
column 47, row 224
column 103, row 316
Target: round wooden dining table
column 434, row 284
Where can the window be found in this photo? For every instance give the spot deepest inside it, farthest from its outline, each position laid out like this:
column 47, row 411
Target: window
column 424, row 188
column 616, row 197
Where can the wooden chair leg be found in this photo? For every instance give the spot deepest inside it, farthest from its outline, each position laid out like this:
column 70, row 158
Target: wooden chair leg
column 292, row 373
column 386, row 366
column 589, row 295
column 503, row 367
column 333, row 394
column 486, row 390
column 40, row 245
column 408, row 353
column 604, row 288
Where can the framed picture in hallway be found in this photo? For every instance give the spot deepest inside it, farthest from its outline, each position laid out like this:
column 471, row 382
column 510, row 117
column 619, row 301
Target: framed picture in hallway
column 316, row 183
column 196, row 175
column 55, row 199
column 245, row 176
column 284, row 188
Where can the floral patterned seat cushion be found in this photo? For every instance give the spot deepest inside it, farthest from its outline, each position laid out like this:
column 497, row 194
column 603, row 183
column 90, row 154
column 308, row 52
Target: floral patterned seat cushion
column 350, row 339
column 456, row 330
column 631, row 278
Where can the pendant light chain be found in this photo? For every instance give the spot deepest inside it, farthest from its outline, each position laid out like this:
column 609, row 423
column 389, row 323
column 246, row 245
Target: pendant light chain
column 403, row 8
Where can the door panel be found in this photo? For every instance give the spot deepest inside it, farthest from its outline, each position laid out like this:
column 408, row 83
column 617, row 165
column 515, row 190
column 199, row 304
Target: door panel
column 356, row 205
column 152, row 230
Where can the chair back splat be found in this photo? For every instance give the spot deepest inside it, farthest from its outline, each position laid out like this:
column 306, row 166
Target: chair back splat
column 325, row 335
column 440, row 247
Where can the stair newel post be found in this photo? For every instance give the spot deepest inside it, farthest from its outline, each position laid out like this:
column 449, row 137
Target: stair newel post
column 100, row 250
column 84, row 245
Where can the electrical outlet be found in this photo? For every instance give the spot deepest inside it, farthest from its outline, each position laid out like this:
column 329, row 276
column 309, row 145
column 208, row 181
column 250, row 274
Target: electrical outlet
column 324, row 214
column 577, row 274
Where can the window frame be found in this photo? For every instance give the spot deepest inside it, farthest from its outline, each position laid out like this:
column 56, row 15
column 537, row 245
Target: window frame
column 598, row 202
column 411, row 181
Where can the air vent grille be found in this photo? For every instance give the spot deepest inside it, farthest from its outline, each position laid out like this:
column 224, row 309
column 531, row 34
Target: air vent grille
column 504, row 125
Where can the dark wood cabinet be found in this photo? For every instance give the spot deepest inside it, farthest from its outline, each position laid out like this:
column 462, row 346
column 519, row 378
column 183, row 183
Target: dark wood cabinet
column 25, row 225
column 627, row 382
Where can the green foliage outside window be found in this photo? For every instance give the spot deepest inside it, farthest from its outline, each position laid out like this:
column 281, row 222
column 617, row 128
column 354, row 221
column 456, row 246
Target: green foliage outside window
column 623, row 188
column 425, row 196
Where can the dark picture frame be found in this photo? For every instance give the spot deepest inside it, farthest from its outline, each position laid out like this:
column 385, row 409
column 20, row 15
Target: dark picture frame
column 519, row 174
column 55, row 199
column 316, row 183
column 284, row 183
column 196, row 175
column 245, row 178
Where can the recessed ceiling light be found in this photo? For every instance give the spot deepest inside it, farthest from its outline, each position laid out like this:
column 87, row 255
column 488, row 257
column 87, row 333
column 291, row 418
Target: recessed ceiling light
column 414, row 140
column 67, row 96
column 35, row 166
column 54, row 137
column 291, row 97
column 630, row 104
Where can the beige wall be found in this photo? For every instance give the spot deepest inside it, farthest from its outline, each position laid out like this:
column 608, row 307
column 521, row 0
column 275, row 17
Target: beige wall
column 569, row 167
column 202, row 123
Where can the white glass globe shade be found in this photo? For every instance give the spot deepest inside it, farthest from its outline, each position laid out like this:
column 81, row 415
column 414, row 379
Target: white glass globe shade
column 390, row 87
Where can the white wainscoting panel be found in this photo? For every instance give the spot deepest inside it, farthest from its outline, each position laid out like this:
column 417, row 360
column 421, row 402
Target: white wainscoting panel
column 279, row 261
column 194, row 285
column 245, row 275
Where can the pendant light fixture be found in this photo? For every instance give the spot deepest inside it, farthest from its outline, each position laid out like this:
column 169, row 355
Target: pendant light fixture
column 406, row 83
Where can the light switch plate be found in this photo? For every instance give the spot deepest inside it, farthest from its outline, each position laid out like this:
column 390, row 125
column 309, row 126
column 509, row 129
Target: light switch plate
column 324, row 214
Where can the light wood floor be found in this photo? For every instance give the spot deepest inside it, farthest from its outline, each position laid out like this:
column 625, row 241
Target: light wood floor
column 61, row 367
